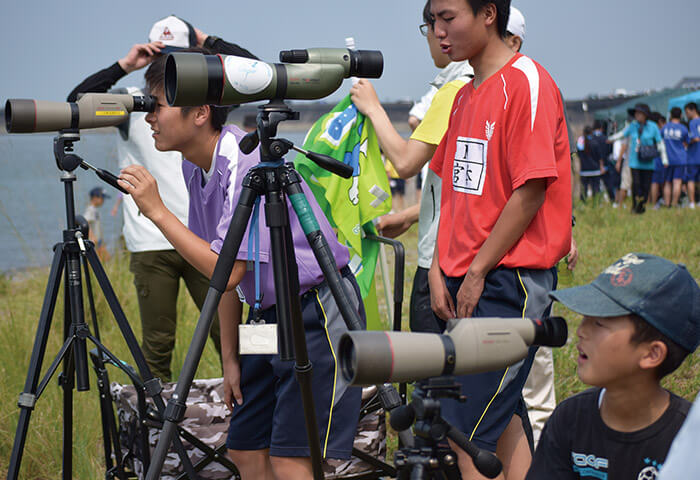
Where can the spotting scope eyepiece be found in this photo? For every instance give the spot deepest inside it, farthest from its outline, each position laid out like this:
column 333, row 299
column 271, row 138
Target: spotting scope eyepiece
column 469, row 345
column 92, row 110
column 195, row 79
column 362, row 63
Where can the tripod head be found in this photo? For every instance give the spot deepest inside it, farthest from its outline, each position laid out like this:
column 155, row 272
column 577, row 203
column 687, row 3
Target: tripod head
column 68, row 161
column 274, row 149
column 430, row 429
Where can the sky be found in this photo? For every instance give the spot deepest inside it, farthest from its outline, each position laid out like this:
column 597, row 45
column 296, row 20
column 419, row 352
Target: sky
column 589, row 47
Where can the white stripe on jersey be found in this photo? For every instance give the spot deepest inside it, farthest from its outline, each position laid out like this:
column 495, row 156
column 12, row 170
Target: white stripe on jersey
column 229, row 148
column 528, row 67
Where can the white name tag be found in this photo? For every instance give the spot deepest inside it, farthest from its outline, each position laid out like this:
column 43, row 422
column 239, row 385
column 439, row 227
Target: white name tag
column 257, row 339
column 469, row 167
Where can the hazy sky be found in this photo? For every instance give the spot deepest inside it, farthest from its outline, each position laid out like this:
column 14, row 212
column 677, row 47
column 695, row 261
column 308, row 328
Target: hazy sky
column 592, row 46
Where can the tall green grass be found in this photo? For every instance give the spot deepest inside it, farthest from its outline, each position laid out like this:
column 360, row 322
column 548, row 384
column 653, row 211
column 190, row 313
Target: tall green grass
column 603, row 235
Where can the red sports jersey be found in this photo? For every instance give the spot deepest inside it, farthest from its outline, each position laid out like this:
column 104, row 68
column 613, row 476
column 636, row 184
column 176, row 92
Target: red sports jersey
column 510, row 130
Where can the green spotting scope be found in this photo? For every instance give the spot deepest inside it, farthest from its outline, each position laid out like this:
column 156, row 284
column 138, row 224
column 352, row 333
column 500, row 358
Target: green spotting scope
column 92, row 110
column 193, row 79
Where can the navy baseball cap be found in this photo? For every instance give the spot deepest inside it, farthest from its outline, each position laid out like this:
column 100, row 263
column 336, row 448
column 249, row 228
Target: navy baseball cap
column 98, row 192
column 657, row 290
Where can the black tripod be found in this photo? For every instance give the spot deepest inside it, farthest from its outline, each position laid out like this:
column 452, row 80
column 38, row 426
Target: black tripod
column 73, row 251
column 429, row 457
column 278, row 182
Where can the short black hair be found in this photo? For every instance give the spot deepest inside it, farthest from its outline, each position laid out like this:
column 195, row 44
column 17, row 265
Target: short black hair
column 427, row 16
column 676, row 113
column 645, row 332
column 155, row 81
column 503, row 9
column 691, row 106
column 598, row 125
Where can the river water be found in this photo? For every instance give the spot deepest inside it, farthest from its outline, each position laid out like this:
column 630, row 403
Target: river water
column 32, row 200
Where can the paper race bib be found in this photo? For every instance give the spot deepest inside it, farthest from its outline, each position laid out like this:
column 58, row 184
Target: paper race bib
column 469, row 167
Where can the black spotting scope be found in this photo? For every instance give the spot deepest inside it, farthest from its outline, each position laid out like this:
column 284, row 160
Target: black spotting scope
column 92, row 110
column 469, row 345
column 195, row 79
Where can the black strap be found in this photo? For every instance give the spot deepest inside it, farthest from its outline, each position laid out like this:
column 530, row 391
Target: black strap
column 450, row 355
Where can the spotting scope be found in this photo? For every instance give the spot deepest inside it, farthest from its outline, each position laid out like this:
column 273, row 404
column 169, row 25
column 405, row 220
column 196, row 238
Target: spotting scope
column 92, row 110
column 469, row 345
column 195, row 79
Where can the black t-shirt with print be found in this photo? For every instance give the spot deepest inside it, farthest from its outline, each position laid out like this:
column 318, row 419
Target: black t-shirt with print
column 576, row 444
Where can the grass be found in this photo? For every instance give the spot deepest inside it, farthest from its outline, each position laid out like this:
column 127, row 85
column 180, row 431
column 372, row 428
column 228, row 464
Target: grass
column 603, row 235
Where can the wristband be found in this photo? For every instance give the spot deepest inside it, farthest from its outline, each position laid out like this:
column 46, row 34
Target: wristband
column 210, row 41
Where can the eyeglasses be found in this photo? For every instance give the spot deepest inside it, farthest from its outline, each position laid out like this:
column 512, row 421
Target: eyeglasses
column 424, row 29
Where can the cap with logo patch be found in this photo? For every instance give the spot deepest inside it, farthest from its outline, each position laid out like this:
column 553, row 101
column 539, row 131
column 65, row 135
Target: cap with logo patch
column 516, row 23
column 657, row 290
column 174, row 32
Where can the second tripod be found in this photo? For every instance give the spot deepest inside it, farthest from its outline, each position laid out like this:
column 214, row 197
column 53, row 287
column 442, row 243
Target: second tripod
column 69, row 255
column 429, row 457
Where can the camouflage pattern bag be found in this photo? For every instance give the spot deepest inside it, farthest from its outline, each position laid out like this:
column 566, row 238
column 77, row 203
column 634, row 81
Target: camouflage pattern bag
column 207, row 418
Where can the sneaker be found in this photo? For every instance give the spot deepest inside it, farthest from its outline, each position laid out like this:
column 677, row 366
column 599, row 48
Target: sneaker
column 691, row 206
column 615, row 205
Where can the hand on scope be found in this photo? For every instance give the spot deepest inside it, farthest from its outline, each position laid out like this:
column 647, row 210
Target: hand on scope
column 143, row 188
column 232, row 384
column 140, row 55
column 364, row 96
column 440, row 299
column 393, row 225
column 469, row 293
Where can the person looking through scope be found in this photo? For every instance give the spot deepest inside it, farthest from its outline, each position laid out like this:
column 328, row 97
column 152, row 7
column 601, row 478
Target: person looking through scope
column 267, row 437
column 156, row 265
column 641, row 319
column 505, row 217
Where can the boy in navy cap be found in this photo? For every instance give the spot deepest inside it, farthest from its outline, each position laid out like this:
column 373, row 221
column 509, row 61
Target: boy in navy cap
column 92, row 215
column 641, row 318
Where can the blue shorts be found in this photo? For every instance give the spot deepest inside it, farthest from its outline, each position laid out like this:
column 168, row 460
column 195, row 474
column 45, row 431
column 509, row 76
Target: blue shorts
column 676, row 172
column 692, row 173
column 272, row 414
column 493, row 397
column 660, row 174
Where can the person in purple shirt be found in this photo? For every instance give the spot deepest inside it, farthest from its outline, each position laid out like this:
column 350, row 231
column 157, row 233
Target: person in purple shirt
column 675, row 136
column 692, row 171
column 267, row 434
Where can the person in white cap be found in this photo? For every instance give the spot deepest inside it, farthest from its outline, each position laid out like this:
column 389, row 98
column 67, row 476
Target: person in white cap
column 156, row 266
column 515, row 31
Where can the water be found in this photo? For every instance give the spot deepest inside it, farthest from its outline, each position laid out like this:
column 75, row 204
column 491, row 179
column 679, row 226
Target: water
column 32, row 204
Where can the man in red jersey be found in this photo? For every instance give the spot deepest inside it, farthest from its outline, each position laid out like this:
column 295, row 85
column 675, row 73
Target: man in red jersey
column 505, row 215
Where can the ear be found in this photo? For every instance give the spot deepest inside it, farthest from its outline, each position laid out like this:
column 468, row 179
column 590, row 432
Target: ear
column 201, row 115
column 490, row 13
column 654, row 356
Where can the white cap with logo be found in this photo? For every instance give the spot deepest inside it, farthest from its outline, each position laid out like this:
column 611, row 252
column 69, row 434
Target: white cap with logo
column 516, row 23
column 174, row 32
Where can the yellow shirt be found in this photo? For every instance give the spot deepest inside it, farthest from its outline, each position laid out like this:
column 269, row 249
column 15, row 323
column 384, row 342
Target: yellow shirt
column 437, row 118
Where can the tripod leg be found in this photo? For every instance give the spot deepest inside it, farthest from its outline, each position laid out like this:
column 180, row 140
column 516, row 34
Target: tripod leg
column 288, row 310
column 321, row 250
column 28, row 397
column 152, row 385
column 224, row 265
